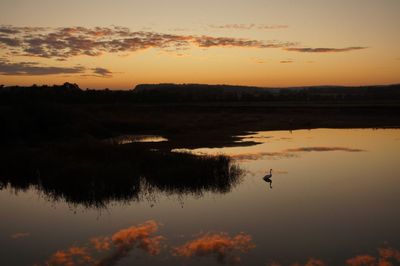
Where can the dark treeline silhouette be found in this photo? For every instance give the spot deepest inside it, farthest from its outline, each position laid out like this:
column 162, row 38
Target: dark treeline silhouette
column 93, row 174
column 187, row 93
column 214, row 113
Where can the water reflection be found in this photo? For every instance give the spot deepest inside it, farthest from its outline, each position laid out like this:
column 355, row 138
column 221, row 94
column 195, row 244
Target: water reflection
column 387, row 256
column 120, row 175
column 103, row 251
column 109, row 250
column 326, row 205
column 287, row 153
column 127, row 139
column 221, row 246
column 20, row 235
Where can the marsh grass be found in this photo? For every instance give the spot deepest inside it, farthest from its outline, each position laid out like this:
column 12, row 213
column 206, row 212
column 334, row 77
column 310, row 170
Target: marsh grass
column 94, row 174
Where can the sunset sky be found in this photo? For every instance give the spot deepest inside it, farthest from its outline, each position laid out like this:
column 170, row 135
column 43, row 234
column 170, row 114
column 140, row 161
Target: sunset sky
column 275, row 43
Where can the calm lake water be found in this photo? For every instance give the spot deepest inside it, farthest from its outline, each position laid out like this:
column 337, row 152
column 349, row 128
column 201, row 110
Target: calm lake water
column 334, row 196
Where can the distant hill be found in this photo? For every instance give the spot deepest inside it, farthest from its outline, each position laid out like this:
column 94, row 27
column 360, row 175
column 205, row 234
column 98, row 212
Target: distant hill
column 200, row 88
column 202, row 92
column 182, row 93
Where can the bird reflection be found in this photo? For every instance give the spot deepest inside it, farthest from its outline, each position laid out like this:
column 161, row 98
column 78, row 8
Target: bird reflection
column 267, row 178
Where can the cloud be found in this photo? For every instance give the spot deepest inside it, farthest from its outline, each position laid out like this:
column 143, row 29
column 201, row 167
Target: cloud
column 20, row 235
column 208, row 41
column 220, row 246
column 248, row 27
column 65, row 42
column 102, row 72
column 62, row 43
column 286, row 61
column 324, row 50
column 257, row 60
column 104, row 251
column 8, row 29
column 12, row 42
column 34, row 69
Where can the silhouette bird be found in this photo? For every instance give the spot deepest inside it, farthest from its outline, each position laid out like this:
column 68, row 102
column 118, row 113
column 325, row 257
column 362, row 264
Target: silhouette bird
column 267, row 178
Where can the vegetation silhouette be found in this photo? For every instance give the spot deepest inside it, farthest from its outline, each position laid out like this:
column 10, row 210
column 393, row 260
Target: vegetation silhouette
column 94, row 174
column 184, row 93
column 41, row 114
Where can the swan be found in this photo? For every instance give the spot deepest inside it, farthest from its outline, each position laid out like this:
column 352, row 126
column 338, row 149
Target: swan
column 268, row 176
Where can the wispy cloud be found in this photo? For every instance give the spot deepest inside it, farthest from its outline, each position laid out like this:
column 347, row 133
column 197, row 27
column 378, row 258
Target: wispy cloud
column 248, row 26
column 324, row 49
column 286, row 61
column 62, row 43
column 102, row 72
column 35, row 69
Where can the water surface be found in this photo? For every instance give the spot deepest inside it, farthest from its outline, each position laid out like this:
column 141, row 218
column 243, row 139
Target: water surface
column 334, row 196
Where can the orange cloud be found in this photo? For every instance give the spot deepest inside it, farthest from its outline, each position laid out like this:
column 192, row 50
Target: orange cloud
column 220, row 245
column 63, row 43
column 324, row 50
column 249, row 26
